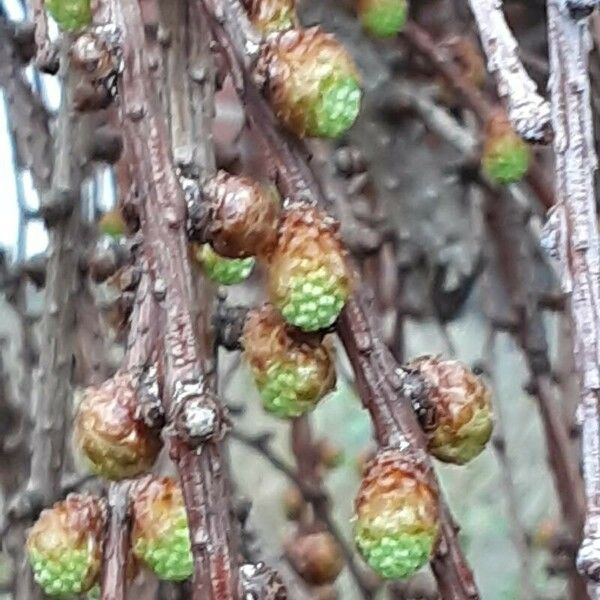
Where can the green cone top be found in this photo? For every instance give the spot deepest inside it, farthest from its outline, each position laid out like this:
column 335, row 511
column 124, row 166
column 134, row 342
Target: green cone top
column 292, row 374
column 64, row 547
column 383, row 18
column 160, row 533
column 506, row 156
column 456, row 411
column 226, row 271
column 312, row 82
column 309, row 276
column 396, row 516
column 70, row 15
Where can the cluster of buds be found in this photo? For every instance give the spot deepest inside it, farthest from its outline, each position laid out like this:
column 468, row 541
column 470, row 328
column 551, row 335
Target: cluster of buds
column 269, row 16
column 160, row 533
column 70, row 15
column 316, row 557
column 110, row 430
column 383, row 18
column 396, row 520
column 453, row 406
column 311, row 82
column 506, row 156
column 225, row 271
column 292, row 371
column 64, row 546
column 309, row 275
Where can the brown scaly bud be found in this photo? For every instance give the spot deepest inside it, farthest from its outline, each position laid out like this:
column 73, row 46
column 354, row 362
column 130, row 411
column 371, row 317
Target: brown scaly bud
column 311, row 82
column 316, row 557
column 245, row 216
column 396, row 521
column 64, row 547
column 269, row 16
column 293, row 372
column 309, row 274
column 453, row 406
column 110, row 431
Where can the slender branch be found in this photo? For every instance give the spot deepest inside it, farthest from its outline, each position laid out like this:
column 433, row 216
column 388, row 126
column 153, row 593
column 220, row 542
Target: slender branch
column 187, row 371
column 471, row 96
column 116, row 543
column 528, row 112
column 573, row 229
column 27, row 116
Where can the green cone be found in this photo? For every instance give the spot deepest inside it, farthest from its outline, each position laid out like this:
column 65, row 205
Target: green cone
column 160, row 534
column 70, row 15
column 383, row 18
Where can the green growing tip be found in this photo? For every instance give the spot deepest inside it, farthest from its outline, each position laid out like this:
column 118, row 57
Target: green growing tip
column 70, row 15
column 385, row 18
column 508, row 161
column 226, row 271
column 337, row 107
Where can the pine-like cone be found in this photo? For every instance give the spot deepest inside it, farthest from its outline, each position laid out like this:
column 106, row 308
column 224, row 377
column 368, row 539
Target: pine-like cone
column 110, row 431
column 312, row 82
column 454, row 409
column 245, row 216
column 226, row 271
column 291, row 374
column 70, row 15
column 269, row 16
column 383, row 18
column 64, row 547
column 309, row 274
column 396, row 526
column 160, row 533
column 113, row 224
column 316, row 557
column 505, row 155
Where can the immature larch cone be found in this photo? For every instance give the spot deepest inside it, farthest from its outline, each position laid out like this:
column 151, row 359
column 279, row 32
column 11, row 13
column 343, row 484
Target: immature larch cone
column 396, row 525
column 111, row 433
column 64, row 547
column 454, row 409
column 311, row 82
column 70, row 15
column 316, row 557
column 506, row 156
column 226, row 271
column 292, row 374
column 245, row 216
column 269, row 16
column 160, row 534
column 113, row 224
column 383, row 18
column 309, row 275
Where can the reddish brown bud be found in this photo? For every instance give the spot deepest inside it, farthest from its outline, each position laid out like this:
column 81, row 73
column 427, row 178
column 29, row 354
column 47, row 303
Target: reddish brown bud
column 454, row 409
column 330, row 455
column 316, row 557
column 245, row 216
column 293, row 503
column 110, row 431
